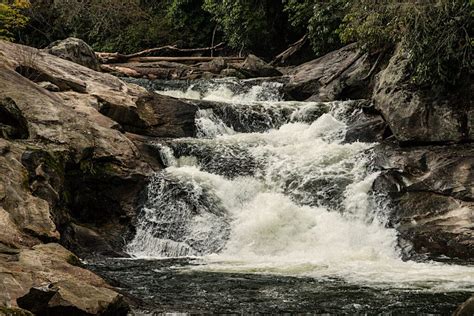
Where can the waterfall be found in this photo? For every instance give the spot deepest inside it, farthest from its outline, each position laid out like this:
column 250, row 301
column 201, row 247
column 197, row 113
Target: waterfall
column 270, row 186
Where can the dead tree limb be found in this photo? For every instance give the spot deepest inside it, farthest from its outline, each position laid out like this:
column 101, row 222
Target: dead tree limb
column 118, row 58
column 181, row 59
column 290, row 51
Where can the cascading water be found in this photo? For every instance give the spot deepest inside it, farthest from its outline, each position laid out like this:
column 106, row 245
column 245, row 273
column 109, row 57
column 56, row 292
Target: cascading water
column 288, row 196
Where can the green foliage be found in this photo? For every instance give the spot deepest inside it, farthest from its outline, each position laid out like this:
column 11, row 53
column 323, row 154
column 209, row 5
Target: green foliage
column 243, row 22
column 437, row 34
column 189, row 22
column 11, row 17
column 321, row 19
column 439, row 38
column 255, row 25
column 372, row 25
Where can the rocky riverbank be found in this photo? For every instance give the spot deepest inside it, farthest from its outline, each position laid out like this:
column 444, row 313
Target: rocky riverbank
column 74, row 160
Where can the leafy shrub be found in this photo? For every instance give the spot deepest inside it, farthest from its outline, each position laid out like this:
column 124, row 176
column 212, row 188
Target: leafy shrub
column 255, row 25
column 437, row 34
column 11, row 17
column 321, row 19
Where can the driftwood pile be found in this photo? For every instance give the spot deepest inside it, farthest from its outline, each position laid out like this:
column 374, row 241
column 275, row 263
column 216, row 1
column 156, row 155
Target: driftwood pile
column 193, row 63
column 142, row 65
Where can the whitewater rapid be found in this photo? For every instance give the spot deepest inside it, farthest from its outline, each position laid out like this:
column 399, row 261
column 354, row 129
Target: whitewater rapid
column 292, row 199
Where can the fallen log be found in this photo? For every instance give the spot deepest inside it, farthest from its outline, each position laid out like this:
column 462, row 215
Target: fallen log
column 181, row 59
column 290, row 51
column 119, row 58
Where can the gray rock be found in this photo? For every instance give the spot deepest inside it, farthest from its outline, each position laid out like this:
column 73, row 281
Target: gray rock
column 338, row 75
column 75, row 50
column 419, row 116
column 253, row 67
column 431, row 190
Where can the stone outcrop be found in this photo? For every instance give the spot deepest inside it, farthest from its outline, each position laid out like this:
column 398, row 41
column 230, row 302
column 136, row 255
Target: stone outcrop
column 418, row 116
column 431, row 190
column 71, row 173
column 75, row 50
column 338, row 75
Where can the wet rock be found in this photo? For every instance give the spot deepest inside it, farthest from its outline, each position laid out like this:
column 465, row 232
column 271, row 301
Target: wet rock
column 43, row 263
column 76, row 174
column 338, row 75
column 82, row 239
column 431, row 193
column 71, row 298
column 466, row 308
column 155, row 115
column 75, row 50
column 417, row 115
column 255, row 67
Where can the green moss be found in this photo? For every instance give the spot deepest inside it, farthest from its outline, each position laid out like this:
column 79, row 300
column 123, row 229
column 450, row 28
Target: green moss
column 74, row 260
column 10, row 311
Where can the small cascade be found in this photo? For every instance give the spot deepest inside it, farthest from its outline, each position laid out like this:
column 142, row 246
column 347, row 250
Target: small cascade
column 271, row 186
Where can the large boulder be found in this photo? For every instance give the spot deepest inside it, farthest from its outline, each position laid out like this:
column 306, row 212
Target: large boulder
column 417, row 115
column 431, row 189
column 253, row 67
column 22, row 269
column 73, row 298
column 75, row 50
column 338, row 75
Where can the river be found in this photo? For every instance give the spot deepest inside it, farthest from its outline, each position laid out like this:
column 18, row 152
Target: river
column 269, row 209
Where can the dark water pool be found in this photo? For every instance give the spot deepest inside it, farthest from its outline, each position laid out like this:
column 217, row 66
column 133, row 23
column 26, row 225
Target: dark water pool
column 170, row 286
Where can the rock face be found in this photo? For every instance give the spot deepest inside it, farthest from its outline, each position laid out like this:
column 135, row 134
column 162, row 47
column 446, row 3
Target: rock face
column 71, row 173
column 418, row 116
column 75, row 50
column 432, row 197
column 341, row 74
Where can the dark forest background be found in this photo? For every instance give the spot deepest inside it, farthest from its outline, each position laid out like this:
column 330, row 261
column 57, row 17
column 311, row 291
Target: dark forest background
column 437, row 33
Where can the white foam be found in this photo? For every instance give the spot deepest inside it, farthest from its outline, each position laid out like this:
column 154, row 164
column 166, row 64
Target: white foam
column 279, row 225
